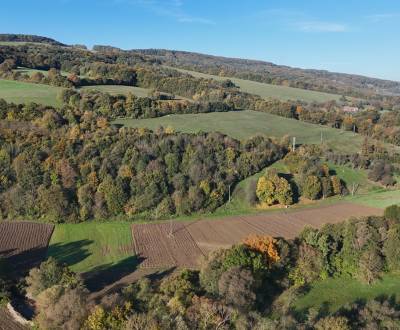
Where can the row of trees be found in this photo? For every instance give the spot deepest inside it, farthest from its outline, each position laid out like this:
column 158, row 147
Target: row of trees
column 252, row 285
column 132, row 106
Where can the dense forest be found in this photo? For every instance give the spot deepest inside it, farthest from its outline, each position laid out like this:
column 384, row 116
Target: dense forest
column 72, row 165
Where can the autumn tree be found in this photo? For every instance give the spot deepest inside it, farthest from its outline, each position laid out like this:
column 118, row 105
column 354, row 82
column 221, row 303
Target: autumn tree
column 273, row 189
column 265, row 245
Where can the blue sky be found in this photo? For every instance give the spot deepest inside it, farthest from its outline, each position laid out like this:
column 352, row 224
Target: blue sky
column 353, row 36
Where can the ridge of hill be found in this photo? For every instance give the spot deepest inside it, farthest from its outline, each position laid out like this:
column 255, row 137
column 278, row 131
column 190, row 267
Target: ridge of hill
column 11, row 37
column 267, row 72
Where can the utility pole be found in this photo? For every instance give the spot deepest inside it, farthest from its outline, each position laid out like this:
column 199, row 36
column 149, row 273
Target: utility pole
column 321, row 137
column 294, row 144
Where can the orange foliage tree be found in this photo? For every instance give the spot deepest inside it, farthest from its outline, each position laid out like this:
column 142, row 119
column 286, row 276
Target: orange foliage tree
column 265, row 245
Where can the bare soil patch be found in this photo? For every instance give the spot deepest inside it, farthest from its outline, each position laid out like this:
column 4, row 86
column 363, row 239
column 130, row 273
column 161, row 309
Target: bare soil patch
column 192, row 239
column 165, row 245
column 24, row 244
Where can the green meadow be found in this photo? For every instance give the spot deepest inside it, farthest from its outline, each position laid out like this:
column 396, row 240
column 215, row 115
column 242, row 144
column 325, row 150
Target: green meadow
column 22, row 92
column 245, row 124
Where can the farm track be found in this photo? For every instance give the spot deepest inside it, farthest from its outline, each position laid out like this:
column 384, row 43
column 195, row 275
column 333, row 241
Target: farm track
column 24, row 244
column 193, row 239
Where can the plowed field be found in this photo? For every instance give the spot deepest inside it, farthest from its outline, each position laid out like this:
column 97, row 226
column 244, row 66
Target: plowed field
column 159, row 248
column 191, row 240
column 24, row 244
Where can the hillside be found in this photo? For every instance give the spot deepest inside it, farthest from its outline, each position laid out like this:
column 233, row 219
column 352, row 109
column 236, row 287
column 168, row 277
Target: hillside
column 6, row 37
column 319, row 80
column 265, row 90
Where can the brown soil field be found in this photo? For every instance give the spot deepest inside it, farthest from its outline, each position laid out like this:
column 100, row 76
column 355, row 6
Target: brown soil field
column 159, row 249
column 7, row 322
column 192, row 239
column 24, row 244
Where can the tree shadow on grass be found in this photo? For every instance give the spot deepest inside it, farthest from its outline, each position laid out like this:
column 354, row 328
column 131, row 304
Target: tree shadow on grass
column 104, row 275
column 70, row 253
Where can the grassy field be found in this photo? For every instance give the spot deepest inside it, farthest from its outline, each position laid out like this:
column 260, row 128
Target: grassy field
column 268, row 90
column 379, row 198
column 245, row 124
column 90, row 246
column 21, row 92
column 335, row 292
column 118, row 89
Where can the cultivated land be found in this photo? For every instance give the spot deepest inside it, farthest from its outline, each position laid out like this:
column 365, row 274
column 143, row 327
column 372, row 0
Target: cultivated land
column 24, row 244
column 268, row 90
column 246, row 124
column 152, row 241
column 325, row 294
column 22, row 92
column 165, row 245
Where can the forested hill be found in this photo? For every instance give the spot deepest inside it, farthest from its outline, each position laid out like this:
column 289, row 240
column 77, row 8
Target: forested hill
column 8, row 37
column 260, row 71
column 319, row 80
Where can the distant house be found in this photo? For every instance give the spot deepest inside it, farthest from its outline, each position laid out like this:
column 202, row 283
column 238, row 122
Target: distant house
column 350, row 109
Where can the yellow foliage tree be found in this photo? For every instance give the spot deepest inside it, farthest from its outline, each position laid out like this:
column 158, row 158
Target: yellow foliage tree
column 265, row 245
